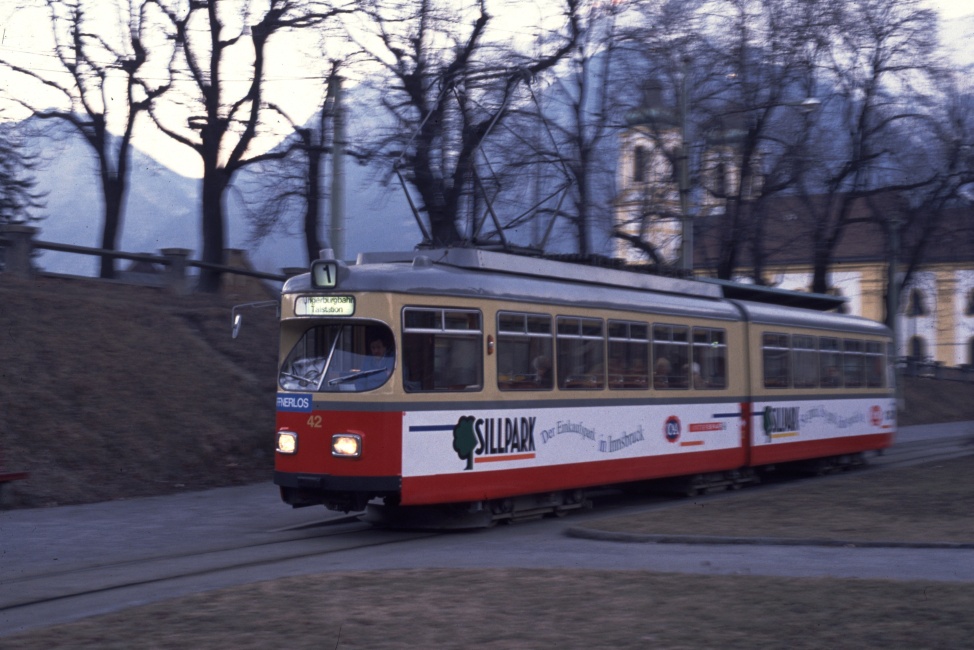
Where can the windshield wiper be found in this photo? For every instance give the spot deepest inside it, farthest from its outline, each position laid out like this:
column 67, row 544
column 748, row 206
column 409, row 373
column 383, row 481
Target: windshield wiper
column 356, row 375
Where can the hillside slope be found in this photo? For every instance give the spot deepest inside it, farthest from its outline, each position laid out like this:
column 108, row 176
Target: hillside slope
column 111, row 391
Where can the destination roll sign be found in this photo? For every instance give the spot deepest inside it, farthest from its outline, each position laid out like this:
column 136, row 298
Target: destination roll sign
column 324, row 306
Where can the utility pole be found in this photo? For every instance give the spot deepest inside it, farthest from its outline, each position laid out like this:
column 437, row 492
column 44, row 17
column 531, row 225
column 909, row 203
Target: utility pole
column 684, row 176
column 893, row 300
column 337, row 235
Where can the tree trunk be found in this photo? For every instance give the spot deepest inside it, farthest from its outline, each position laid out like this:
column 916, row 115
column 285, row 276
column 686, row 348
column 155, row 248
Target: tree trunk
column 215, row 182
column 114, row 191
column 443, row 229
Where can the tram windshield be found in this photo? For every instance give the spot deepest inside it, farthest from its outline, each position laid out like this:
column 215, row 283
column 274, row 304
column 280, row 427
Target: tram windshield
column 348, row 357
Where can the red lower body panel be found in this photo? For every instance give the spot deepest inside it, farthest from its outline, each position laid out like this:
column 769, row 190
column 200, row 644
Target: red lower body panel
column 792, row 451
column 478, row 486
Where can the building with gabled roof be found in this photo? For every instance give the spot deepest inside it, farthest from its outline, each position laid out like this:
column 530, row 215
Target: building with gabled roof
column 936, row 308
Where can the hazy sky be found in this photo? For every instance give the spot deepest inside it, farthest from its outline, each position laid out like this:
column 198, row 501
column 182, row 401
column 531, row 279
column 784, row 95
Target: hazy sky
column 953, row 8
column 25, row 38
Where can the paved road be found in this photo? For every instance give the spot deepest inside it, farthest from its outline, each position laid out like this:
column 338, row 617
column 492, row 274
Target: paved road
column 45, row 552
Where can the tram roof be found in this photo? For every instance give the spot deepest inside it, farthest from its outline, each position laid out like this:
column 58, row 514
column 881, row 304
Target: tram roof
column 484, row 260
column 471, row 272
column 788, row 316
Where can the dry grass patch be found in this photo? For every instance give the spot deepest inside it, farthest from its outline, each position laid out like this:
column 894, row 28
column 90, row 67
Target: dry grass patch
column 925, row 503
column 538, row 609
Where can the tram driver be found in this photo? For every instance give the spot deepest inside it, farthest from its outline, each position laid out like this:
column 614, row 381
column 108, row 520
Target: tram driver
column 382, row 358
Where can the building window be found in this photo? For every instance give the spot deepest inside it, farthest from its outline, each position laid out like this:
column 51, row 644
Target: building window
column 720, row 180
column 917, row 304
column 969, row 310
column 837, row 292
column 918, row 348
column 640, row 165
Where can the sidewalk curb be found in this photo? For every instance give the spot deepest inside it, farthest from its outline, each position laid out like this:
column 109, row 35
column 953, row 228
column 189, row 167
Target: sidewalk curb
column 636, row 538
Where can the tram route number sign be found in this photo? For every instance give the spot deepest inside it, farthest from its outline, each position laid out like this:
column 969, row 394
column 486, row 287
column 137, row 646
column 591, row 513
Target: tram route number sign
column 324, row 306
column 324, row 274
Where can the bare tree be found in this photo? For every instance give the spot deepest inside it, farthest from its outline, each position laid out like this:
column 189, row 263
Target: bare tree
column 879, row 52
column 448, row 83
column 934, row 216
column 758, row 119
column 105, row 89
column 584, row 102
column 18, row 196
column 218, row 41
column 726, row 114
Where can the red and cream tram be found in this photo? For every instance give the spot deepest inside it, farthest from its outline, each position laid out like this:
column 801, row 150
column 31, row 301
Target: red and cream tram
column 503, row 383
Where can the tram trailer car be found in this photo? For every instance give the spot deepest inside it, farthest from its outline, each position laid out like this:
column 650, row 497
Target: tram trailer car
column 502, row 385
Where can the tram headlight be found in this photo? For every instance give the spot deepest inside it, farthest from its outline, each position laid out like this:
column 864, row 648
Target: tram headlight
column 346, row 445
column 287, row 442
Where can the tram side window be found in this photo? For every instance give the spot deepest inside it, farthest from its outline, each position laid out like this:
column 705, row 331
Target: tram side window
column 830, row 362
column 347, row 357
column 628, row 355
column 776, row 351
column 581, row 353
column 524, row 351
column 805, row 358
column 442, row 349
column 853, row 363
column 671, row 356
column 709, row 367
column 875, row 365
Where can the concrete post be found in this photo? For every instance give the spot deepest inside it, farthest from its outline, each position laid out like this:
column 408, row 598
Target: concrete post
column 176, row 278
column 17, row 240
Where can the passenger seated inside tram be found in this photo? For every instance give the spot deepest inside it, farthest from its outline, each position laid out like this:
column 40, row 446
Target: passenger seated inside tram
column 661, row 373
column 627, row 373
column 617, row 365
column 637, row 372
column 832, row 377
column 542, row 371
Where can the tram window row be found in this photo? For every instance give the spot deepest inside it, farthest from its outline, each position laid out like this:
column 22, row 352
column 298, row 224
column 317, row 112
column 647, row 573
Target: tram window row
column 538, row 352
column 442, row 351
column 803, row 361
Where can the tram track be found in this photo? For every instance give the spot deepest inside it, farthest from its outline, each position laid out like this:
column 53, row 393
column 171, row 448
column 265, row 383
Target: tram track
column 322, row 524
column 43, row 590
column 924, row 451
